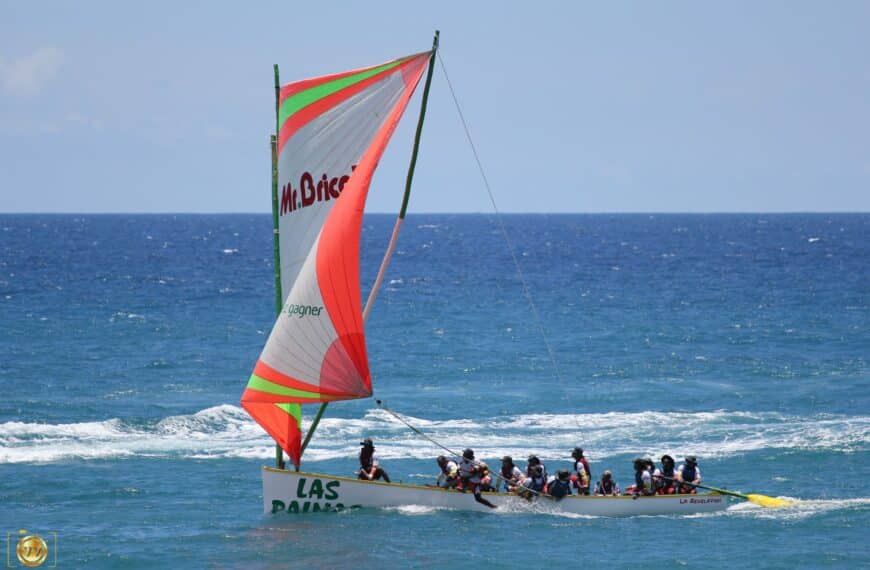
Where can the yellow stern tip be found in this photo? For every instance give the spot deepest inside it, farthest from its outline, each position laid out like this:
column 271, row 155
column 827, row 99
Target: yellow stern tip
column 769, row 502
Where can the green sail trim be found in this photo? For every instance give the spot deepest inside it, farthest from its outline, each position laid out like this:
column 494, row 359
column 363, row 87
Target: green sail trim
column 304, row 98
column 263, row 385
column 294, row 410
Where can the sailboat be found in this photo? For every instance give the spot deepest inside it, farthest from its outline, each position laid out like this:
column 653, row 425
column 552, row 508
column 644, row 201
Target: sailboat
column 330, row 134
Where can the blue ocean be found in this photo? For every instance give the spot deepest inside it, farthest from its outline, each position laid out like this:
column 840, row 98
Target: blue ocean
column 126, row 342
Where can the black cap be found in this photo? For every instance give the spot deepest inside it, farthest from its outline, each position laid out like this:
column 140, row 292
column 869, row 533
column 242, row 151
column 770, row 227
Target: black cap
column 367, row 442
column 578, row 452
column 563, row 474
column 691, row 459
column 507, row 459
column 468, row 454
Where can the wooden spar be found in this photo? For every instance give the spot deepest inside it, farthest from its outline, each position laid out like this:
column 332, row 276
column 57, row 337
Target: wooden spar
column 279, row 453
column 383, row 268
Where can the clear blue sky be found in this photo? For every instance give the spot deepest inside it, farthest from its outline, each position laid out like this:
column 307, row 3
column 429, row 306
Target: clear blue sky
column 578, row 107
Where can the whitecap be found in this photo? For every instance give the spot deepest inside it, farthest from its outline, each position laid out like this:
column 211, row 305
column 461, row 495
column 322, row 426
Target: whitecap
column 226, row 431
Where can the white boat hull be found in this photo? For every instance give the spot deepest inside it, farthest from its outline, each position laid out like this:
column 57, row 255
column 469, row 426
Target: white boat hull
column 291, row 492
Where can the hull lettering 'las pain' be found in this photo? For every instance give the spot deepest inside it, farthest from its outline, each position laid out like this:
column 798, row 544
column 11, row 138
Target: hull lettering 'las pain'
column 332, row 131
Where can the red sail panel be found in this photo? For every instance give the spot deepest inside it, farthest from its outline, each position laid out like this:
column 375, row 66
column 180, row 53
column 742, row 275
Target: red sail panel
column 316, row 351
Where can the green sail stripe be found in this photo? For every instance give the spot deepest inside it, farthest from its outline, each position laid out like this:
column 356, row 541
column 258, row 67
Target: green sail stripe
column 294, row 410
column 304, row 98
column 263, row 385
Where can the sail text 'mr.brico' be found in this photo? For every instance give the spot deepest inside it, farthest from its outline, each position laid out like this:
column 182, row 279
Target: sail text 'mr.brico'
column 307, row 192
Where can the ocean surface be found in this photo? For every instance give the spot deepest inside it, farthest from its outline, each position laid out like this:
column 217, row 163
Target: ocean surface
column 126, row 342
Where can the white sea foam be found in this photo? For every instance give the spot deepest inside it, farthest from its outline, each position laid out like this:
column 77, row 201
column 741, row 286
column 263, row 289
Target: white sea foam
column 799, row 510
column 414, row 510
column 226, row 431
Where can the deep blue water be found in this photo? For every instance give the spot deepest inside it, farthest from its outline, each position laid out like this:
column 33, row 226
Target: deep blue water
column 126, row 342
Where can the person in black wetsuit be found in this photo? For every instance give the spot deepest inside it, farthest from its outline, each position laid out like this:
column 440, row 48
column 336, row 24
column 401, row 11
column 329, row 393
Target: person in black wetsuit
column 369, row 468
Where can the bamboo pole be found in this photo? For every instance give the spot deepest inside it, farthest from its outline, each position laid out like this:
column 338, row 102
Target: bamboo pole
column 408, row 180
column 279, row 453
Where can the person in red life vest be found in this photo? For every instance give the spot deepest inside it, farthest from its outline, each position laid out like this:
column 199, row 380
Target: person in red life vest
column 664, row 477
column 510, row 475
column 449, row 476
column 474, row 474
column 369, row 468
column 688, row 472
column 607, row 486
column 642, row 479
column 582, row 477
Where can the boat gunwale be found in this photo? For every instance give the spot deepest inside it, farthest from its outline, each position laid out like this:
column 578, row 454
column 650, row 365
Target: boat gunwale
column 496, row 493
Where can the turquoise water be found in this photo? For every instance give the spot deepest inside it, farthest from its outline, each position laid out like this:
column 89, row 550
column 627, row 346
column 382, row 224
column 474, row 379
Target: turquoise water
column 742, row 339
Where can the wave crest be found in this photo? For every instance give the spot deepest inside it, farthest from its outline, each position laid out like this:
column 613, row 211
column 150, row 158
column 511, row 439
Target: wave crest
column 226, row 431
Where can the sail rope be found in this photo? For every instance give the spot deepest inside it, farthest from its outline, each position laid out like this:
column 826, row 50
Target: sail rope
column 498, row 217
column 420, row 432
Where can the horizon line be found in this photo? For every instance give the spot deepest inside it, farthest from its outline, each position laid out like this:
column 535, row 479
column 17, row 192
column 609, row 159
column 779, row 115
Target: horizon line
column 597, row 213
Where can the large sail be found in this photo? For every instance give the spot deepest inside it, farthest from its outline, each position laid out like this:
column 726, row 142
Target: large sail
column 332, row 133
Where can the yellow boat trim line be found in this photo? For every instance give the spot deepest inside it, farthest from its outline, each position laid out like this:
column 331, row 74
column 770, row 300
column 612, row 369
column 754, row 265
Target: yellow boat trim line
column 425, row 488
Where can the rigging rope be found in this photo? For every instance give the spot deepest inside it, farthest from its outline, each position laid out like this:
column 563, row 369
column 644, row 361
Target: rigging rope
column 419, row 432
column 526, row 290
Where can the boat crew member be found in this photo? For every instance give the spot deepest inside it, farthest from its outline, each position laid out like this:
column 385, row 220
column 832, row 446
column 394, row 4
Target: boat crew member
column 642, row 479
column 606, row 486
column 560, row 486
column 486, row 478
column 665, row 483
column 449, row 476
column 369, row 467
column 534, row 484
column 582, row 474
column 654, row 472
column 472, row 472
column 688, row 472
column 533, row 462
column 510, row 475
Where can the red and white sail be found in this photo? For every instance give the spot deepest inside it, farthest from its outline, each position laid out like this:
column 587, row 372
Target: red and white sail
column 332, row 133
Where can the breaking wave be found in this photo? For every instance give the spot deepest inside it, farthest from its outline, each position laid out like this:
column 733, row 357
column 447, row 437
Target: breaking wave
column 226, row 431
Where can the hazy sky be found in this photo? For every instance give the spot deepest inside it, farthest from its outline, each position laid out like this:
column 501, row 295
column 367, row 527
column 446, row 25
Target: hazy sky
column 578, row 107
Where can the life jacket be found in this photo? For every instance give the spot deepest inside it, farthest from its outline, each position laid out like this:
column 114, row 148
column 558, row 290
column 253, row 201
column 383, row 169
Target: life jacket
column 581, row 466
column 665, row 483
column 450, row 469
column 470, row 470
column 642, row 487
column 657, row 481
column 366, row 458
column 559, row 488
column 606, row 487
column 536, row 483
column 689, row 473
